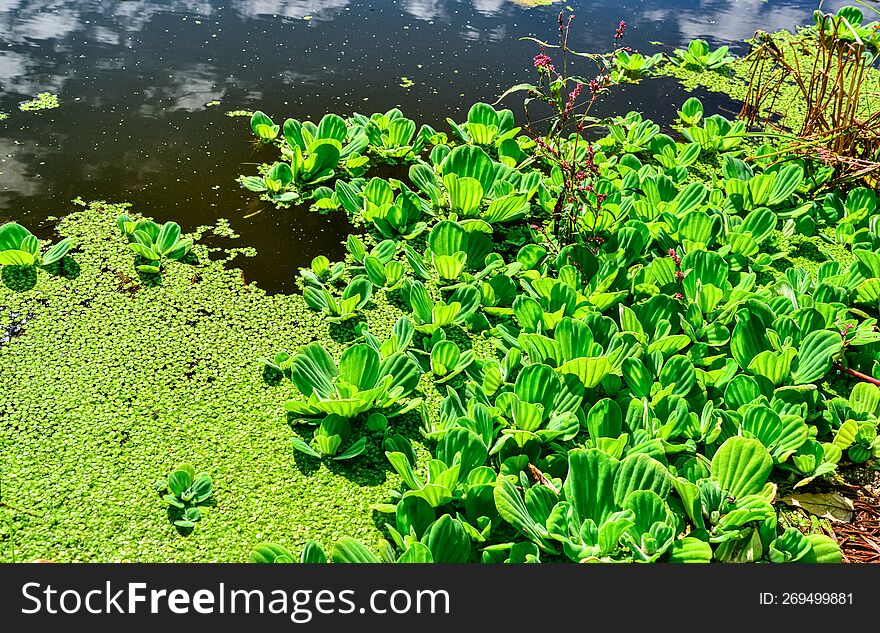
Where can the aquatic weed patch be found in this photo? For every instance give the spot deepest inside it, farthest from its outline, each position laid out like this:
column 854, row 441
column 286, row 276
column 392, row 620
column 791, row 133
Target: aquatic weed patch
column 117, row 381
column 661, row 370
column 43, row 101
column 643, row 348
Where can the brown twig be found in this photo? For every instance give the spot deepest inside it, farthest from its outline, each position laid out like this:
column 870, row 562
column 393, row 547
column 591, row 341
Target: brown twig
column 840, row 124
column 856, row 374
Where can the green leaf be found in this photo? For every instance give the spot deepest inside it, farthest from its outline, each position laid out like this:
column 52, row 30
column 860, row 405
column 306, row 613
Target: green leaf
column 465, row 194
column 817, row 353
column 414, row 514
column 353, row 451
column 639, row 471
column 348, row 550
column 605, row 419
column 589, row 486
column 774, row 366
column 513, row 509
column 689, row 550
column 741, row 466
column 865, row 398
column 447, row 540
column 181, row 479
column 824, row 549
column 16, row 258
column 748, row 339
column 403, row 467
column 143, row 251
column 312, row 553
column 258, row 120
column 469, row 161
column 12, row 235
column 537, row 384
column 202, row 487
column 782, row 439
column 789, row 547
column 300, row 445
column 691, row 111
column 332, row 126
column 590, row 371
column 57, row 252
column 637, row 377
column 269, row 553
column 168, row 237
column 359, row 366
column 788, row 179
column 416, row 553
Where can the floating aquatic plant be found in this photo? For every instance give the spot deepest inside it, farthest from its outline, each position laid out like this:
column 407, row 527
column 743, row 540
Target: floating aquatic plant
column 43, row 101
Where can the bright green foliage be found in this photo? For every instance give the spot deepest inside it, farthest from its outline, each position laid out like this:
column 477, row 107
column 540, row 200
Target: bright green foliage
column 322, row 272
column 716, row 133
column 430, row 315
column 43, row 101
column 20, row 256
column 455, row 251
column 354, row 297
column 274, row 183
column 698, row 56
column 263, row 127
column 153, row 242
column 643, row 390
column 273, row 553
column 487, row 127
column 185, row 491
column 629, row 65
column 849, row 23
column 645, row 393
column 632, row 132
column 394, row 215
column 332, row 433
column 312, row 154
column 392, row 136
column 362, row 381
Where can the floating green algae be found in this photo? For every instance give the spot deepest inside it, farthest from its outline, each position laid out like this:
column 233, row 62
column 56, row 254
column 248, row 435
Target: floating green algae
column 114, row 382
column 43, row 101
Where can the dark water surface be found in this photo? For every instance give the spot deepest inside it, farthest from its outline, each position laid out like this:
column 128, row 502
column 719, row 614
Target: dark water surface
column 138, row 82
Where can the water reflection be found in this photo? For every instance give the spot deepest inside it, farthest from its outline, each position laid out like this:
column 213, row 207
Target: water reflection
column 140, row 81
column 731, row 21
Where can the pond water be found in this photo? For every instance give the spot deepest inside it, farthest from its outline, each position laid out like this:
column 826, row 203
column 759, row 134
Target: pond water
column 145, row 86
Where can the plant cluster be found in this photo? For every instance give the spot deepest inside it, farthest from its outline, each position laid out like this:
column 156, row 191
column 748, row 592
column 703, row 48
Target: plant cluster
column 185, row 491
column 699, row 56
column 657, row 378
column 849, row 25
column 830, row 72
column 154, row 244
column 614, row 349
column 43, row 101
column 21, row 256
column 312, row 154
